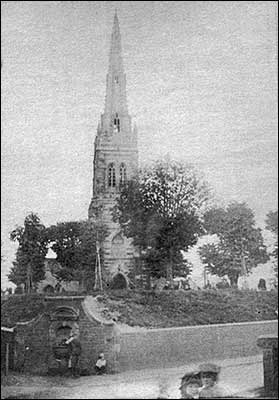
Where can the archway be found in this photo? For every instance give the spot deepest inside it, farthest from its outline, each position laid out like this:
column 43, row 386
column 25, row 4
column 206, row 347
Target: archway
column 63, row 333
column 48, row 289
column 119, row 281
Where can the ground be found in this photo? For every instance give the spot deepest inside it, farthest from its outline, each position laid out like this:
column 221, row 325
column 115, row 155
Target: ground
column 168, row 308
column 241, row 376
column 163, row 309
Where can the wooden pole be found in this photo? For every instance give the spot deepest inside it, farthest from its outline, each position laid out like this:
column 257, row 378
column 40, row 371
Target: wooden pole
column 7, row 359
column 99, row 269
column 98, row 272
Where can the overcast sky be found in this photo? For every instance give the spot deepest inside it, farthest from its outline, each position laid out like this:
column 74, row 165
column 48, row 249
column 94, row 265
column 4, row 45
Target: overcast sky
column 201, row 85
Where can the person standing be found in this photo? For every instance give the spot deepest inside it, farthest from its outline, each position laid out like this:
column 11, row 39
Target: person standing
column 75, row 351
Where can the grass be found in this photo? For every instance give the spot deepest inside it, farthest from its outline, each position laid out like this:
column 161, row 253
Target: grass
column 163, row 309
column 179, row 308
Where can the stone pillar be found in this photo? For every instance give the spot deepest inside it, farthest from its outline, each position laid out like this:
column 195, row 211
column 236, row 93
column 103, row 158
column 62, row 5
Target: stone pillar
column 269, row 344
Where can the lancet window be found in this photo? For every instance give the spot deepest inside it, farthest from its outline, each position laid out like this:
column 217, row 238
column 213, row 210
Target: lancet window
column 123, row 174
column 116, row 123
column 111, row 175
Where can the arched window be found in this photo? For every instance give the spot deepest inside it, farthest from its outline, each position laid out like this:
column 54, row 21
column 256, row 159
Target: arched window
column 123, row 174
column 116, row 123
column 111, row 176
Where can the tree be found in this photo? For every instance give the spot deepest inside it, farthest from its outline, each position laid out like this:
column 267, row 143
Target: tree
column 240, row 247
column 272, row 226
column 3, row 258
column 161, row 210
column 74, row 243
column 30, row 255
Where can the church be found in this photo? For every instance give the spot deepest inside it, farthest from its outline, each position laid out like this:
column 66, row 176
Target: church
column 115, row 161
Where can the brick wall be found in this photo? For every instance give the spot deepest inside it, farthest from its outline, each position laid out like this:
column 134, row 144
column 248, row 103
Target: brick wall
column 95, row 337
column 177, row 346
column 269, row 346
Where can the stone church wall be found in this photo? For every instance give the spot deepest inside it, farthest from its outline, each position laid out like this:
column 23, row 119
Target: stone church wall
column 115, row 151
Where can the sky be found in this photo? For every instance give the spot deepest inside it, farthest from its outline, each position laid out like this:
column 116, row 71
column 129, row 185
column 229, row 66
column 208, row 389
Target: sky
column 201, row 87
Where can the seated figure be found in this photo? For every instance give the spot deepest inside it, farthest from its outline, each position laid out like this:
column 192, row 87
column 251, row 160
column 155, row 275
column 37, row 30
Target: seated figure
column 101, row 365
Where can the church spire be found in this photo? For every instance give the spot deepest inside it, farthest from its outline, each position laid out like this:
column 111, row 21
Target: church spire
column 116, row 101
column 115, row 58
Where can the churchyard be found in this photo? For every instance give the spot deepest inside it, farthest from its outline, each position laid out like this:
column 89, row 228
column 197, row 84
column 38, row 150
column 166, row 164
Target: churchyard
column 121, row 282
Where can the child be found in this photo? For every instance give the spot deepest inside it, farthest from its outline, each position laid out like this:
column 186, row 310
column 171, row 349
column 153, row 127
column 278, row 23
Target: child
column 210, row 386
column 101, row 364
column 190, row 385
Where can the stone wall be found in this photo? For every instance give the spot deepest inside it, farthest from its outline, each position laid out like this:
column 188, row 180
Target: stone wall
column 177, row 346
column 34, row 343
column 269, row 346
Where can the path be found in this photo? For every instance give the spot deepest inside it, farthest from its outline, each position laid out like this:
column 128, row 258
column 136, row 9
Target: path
column 240, row 375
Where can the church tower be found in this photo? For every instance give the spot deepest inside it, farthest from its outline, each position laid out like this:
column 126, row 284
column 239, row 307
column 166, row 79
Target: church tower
column 115, row 161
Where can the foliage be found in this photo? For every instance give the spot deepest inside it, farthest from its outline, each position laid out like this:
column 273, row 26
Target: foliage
column 240, row 246
column 74, row 243
column 30, row 255
column 272, row 222
column 161, row 211
column 3, row 258
column 272, row 226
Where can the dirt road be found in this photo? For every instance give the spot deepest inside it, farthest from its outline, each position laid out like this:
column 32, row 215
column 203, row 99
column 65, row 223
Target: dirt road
column 239, row 375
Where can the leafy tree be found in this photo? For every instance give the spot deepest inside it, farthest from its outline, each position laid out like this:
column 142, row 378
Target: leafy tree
column 240, row 246
column 161, row 210
column 30, row 255
column 272, row 226
column 272, row 222
column 74, row 243
column 3, row 258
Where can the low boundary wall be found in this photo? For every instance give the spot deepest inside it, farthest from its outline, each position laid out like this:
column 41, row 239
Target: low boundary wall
column 167, row 347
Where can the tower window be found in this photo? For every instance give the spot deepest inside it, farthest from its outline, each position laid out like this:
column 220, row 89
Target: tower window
column 111, row 176
column 116, row 123
column 123, row 174
column 116, row 80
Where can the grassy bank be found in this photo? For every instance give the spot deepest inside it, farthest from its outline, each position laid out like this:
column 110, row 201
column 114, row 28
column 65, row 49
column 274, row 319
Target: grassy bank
column 164, row 309
column 179, row 308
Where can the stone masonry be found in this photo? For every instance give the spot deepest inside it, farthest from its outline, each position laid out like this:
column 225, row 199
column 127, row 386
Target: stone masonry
column 115, row 161
column 35, row 340
column 269, row 346
column 169, row 347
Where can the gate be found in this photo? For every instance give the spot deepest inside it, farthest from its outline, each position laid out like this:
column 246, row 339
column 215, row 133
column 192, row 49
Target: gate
column 7, row 349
